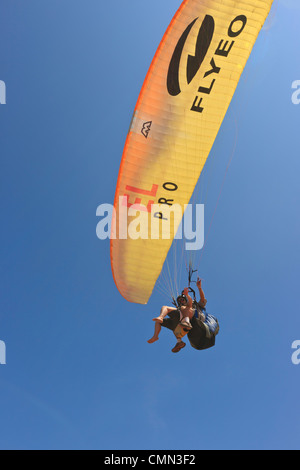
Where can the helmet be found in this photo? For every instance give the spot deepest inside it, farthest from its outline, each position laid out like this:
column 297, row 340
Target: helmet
column 182, row 299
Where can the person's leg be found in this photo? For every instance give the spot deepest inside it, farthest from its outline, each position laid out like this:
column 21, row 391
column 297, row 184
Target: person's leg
column 179, row 333
column 163, row 313
column 157, row 330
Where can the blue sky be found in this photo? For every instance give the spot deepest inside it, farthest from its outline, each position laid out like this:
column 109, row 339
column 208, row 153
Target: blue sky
column 80, row 373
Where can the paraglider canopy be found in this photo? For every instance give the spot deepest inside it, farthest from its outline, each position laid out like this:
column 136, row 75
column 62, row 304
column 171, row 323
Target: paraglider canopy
column 183, row 101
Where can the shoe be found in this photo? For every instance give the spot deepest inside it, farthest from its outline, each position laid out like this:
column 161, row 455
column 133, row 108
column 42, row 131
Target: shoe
column 178, row 347
column 186, row 325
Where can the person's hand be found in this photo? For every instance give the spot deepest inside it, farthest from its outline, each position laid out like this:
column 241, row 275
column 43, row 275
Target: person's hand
column 199, row 281
column 186, row 291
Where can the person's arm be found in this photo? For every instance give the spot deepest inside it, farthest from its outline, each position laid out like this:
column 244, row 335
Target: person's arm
column 189, row 298
column 202, row 296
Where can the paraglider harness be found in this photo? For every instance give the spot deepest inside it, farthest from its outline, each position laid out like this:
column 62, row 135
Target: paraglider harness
column 180, row 331
column 207, row 322
column 175, row 302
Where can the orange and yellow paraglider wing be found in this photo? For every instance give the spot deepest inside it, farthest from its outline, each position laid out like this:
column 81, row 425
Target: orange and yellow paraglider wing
column 180, row 109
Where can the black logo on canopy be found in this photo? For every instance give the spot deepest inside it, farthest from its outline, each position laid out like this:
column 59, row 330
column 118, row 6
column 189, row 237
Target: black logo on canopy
column 194, row 62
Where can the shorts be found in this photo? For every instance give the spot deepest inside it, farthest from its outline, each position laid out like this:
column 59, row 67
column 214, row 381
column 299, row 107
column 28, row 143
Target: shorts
column 172, row 321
